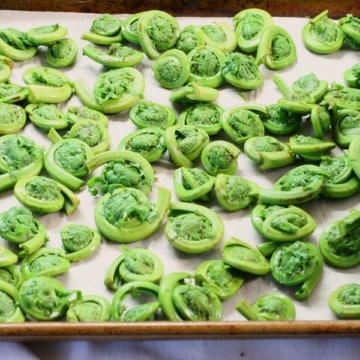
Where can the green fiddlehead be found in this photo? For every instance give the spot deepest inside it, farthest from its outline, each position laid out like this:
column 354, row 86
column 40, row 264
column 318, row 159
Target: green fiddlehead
column 46, row 34
column 190, row 37
column 62, row 53
column 220, row 35
column 9, row 303
column 6, row 66
column 12, row 118
column 344, row 301
column 12, row 93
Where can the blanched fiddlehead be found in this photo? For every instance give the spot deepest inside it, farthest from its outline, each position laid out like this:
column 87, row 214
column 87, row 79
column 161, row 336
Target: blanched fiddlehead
column 6, row 66
column 127, row 215
column 79, row 241
column 352, row 76
column 45, row 195
column 45, row 298
column 193, row 228
column 346, row 126
column 190, row 37
column 12, row 93
column 270, row 307
column 62, row 53
column 19, row 157
column 12, row 118
column 344, row 301
column 46, row 34
column 182, row 300
column 9, row 304
column 20, row 227
column 297, row 264
column 322, row 35
column 220, row 35
column 350, row 26
column 339, row 242
column 136, row 264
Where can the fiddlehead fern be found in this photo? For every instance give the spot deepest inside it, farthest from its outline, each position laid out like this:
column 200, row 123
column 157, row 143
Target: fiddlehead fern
column 220, row 35
column 12, row 118
column 6, row 66
column 46, row 34
column 190, row 37
column 9, row 304
column 344, row 301
column 62, row 53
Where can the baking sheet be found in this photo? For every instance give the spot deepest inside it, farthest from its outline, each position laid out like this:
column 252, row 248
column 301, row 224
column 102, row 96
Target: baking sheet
column 88, row 275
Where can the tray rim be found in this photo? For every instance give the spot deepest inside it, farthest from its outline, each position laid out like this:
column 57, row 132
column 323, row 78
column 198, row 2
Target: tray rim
column 166, row 330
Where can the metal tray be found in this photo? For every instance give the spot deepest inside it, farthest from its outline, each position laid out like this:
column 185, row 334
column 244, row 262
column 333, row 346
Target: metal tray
column 313, row 315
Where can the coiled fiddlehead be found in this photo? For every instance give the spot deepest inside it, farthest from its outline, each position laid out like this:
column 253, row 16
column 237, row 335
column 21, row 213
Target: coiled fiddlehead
column 350, row 26
column 20, row 227
column 220, row 278
column 12, row 93
column 80, row 113
column 46, row 34
column 122, row 168
column 45, row 298
column 19, row 157
column 220, row 35
column 47, row 85
column 11, row 275
column 220, row 157
column 322, row 35
column 66, row 160
column 12, row 118
column 181, row 300
column 244, row 257
column 339, row 242
column 346, row 126
column 7, row 257
column 193, row 228
column 129, row 28
column 127, row 215
column 190, row 37
column 297, row 264
column 234, row 192
column 250, row 25
column 62, row 53
column 90, row 308
column 270, row 307
column 6, row 66
column 9, row 304
column 352, row 76
column 136, row 264
column 45, row 195
column 104, row 30
column 344, row 301
column 193, row 93
column 79, row 241
column 353, row 154
column 140, row 312
column 343, row 97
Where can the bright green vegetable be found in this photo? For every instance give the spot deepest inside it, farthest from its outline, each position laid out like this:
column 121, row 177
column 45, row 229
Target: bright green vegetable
column 46, row 34
column 11, row 275
column 268, row 152
column 45, row 298
column 322, row 35
column 181, row 300
column 320, row 118
column 346, row 126
column 244, row 257
column 193, row 93
column 79, row 113
column 47, row 116
column 62, row 53
column 6, row 66
column 172, row 69
column 350, row 27
column 190, row 37
column 149, row 114
column 354, row 155
column 122, row 168
column 339, row 241
column 140, row 312
column 158, row 31
column 344, row 97
column 20, row 227
column 12, row 118
column 299, row 185
column 16, row 45
column 241, row 71
column 352, row 76
column 344, row 301
column 220, row 35
column 241, row 123
column 12, row 93
column 116, row 56
column 90, row 308
column 270, row 307
column 19, row 157
column 276, row 49
column 104, row 30
column 220, row 157
column 297, row 264
column 66, row 162
column 203, row 115
column 9, row 304
column 7, row 257
column 149, row 142
column 192, row 184
column 206, row 63
column 193, row 228
column 47, row 85
column 234, row 192
column 79, row 241
column 127, row 215
column 44, row 262
column 250, row 24
column 129, row 28
column 220, row 278
column 45, row 195
column 115, row 91
column 137, row 264
column 185, row 144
